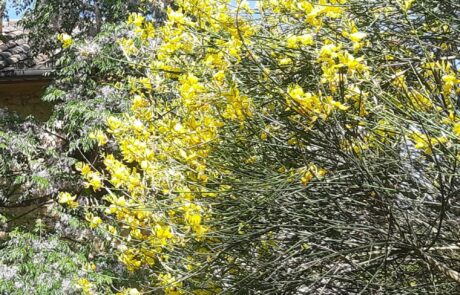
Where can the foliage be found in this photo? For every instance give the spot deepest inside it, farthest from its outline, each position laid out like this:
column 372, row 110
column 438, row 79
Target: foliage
column 46, row 18
column 35, row 264
column 31, row 163
column 306, row 147
column 300, row 147
column 83, row 92
column 37, row 158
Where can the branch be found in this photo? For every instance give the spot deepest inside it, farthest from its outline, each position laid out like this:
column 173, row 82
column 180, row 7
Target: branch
column 441, row 267
column 26, row 203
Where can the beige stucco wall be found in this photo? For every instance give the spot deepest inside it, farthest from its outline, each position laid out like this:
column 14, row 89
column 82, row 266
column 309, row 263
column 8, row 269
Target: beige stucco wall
column 24, row 98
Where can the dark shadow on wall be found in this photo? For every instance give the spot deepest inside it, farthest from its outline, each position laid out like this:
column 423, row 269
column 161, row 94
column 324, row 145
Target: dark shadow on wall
column 23, row 98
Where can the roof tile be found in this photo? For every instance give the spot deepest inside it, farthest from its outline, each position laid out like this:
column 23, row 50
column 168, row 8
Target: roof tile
column 15, row 53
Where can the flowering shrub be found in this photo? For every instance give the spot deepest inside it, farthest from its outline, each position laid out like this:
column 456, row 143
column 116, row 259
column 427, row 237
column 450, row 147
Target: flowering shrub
column 300, row 147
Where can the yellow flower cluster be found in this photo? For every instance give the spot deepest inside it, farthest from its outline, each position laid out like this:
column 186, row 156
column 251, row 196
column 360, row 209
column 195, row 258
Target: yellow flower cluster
column 170, row 284
column 156, row 187
column 85, row 286
column 427, row 143
column 65, row 39
column 67, row 199
column 130, row 291
column 310, row 172
column 93, row 178
column 312, row 105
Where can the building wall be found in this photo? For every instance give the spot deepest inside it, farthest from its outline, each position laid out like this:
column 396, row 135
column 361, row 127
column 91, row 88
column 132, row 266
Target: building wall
column 23, row 97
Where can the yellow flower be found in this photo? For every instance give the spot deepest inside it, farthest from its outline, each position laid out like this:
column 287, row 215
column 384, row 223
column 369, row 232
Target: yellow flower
column 456, row 128
column 94, row 180
column 136, row 19
column 296, row 41
column 128, row 46
column 306, row 178
column 99, row 136
column 163, row 232
column 450, row 81
column 193, row 219
column 68, row 199
column 113, row 123
column 85, row 285
column 310, row 172
column 264, row 136
column 339, row 105
column 65, row 39
column 251, row 160
column 65, row 197
column 139, row 103
column 94, row 221
column 112, row 230
column 83, row 168
column 426, row 143
column 130, row 259
column 357, row 36
column 285, row 61
column 407, row 4
column 170, row 284
column 130, row 291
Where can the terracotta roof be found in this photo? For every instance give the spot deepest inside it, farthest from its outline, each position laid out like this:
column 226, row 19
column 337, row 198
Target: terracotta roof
column 16, row 58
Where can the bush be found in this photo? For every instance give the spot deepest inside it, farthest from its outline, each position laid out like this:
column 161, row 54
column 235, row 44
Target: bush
column 39, row 264
column 303, row 147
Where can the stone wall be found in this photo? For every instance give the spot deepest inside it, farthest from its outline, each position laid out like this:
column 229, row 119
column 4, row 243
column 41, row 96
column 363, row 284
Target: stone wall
column 24, row 98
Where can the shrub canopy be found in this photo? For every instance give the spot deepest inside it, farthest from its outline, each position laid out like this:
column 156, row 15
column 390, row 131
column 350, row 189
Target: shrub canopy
column 293, row 147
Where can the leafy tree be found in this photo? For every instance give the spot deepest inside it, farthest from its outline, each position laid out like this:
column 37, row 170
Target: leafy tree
column 46, row 18
column 36, row 158
column 39, row 263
